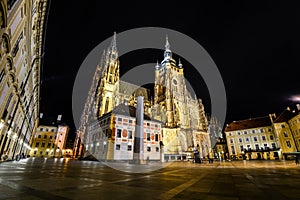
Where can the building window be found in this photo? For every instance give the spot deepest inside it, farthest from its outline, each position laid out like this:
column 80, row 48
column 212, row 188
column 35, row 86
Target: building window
column 232, row 150
column 118, row 146
column 156, row 137
column 263, row 138
column 148, row 124
column 39, row 136
column 271, row 137
column 52, row 130
column 242, row 148
column 285, row 134
column 157, row 149
column 265, row 145
column 34, row 152
column 240, row 140
column 255, row 139
column 148, row 136
column 245, row 132
column 288, row 144
column 53, row 145
column 273, row 145
column 129, row 148
column 41, row 129
column 130, row 121
column 45, row 136
column 50, row 137
column 247, row 139
column 43, row 144
column 231, row 140
column 149, row 149
column 37, row 144
column 129, row 134
column 119, row 133
column 256, row 147
column 282, row 126
column 261, row 130
column 47, row 129
column 253, row 131
column 119, row 119
column 230, row 134
column 239, row 133
column 48, row 145
column 248, row 146
column 269, row 129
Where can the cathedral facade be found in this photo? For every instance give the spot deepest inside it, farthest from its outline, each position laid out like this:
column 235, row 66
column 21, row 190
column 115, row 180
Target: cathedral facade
column 184, row 124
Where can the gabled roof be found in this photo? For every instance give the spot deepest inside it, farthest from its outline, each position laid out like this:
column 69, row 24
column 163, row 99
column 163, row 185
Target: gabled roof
column 249, row 123
column 286, row 115
column 125, row 110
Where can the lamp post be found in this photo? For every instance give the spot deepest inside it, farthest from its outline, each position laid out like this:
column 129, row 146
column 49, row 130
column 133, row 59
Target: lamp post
column 22, row 89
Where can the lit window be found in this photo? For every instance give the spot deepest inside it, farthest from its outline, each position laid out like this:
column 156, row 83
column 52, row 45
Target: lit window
column 129, row 134
column 118, row 147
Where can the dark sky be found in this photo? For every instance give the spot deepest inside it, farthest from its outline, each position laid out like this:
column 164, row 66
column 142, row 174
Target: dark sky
column 255, row 47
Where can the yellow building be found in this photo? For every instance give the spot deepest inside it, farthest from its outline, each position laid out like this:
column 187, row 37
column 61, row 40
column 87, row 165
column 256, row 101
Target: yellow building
column 49, row 141
column 21, row 48
column 294, row 124
column 267, row 137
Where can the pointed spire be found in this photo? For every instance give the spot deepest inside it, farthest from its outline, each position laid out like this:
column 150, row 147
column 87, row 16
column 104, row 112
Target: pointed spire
column 157, row 65
column 114, row 42
column 167, row 46
column 179, row 64
column 102, row 60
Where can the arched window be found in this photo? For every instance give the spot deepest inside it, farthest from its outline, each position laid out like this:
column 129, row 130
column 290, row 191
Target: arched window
column 106, row 105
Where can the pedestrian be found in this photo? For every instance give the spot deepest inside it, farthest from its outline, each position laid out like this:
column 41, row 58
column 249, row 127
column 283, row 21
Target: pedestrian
column 296, row 160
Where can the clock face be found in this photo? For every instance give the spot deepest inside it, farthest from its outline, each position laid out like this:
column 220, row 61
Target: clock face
column 174, row 81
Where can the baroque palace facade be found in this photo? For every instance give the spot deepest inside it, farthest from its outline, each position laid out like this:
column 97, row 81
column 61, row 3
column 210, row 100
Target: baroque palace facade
column 184, row 124
column 269, row 137
column 21, row 47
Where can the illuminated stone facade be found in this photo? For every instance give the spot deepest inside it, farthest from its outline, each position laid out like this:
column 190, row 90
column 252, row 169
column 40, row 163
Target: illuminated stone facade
column 266, row 138
column 49, row 141
column 21, row 47
column 184, row 122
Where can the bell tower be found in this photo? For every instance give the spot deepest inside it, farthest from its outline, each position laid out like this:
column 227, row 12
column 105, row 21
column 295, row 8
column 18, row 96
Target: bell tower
column 110, row 78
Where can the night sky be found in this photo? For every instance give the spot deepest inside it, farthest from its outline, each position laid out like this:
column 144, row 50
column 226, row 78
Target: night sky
column 255, row 47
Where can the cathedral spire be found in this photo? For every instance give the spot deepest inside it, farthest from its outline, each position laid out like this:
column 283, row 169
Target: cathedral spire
column 168, row 52
column 167, row 45
column 157, row 65
column 179, row 64
column 114, row 42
